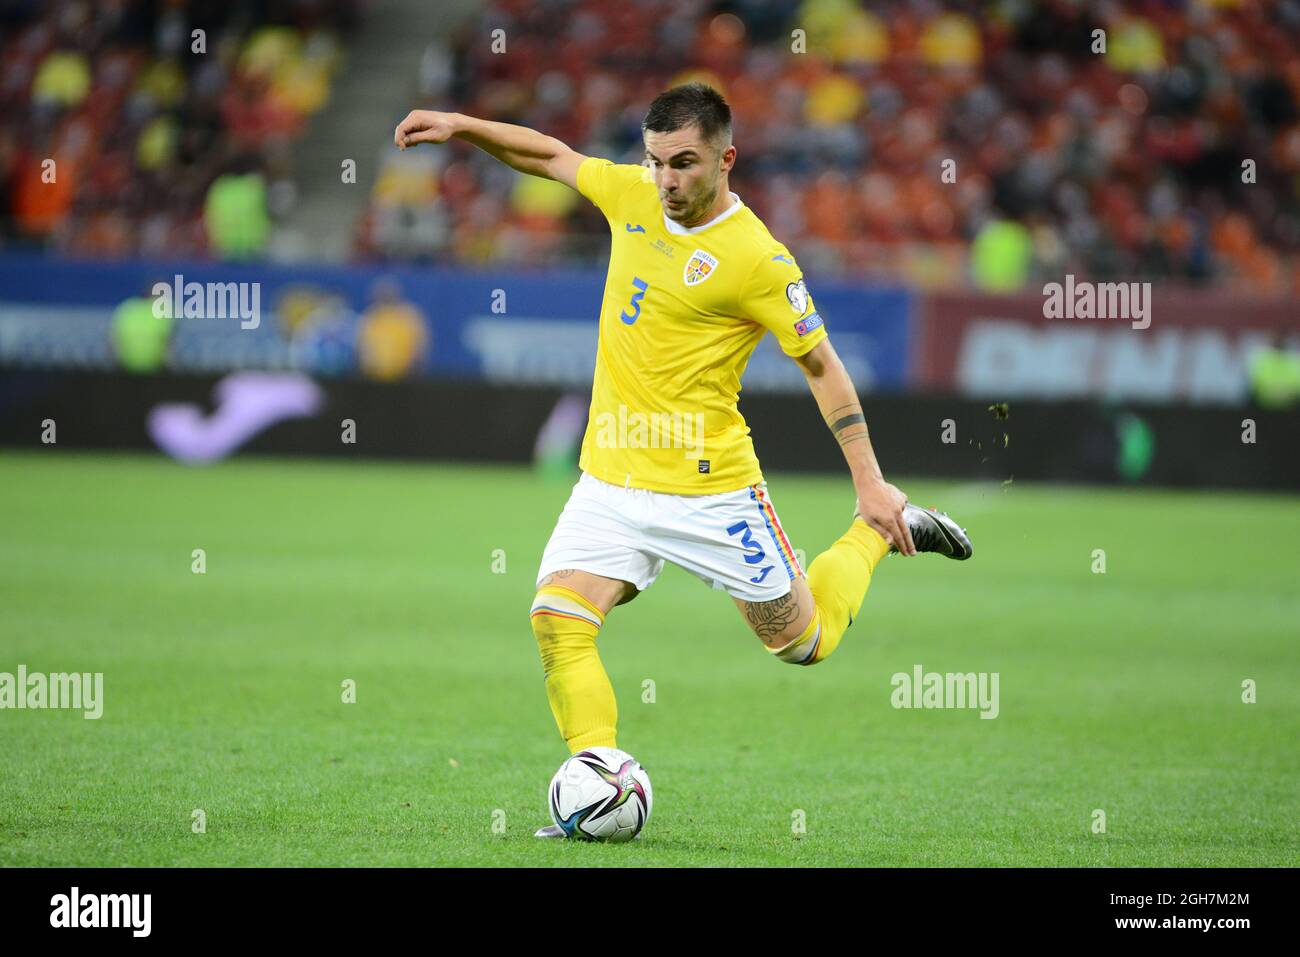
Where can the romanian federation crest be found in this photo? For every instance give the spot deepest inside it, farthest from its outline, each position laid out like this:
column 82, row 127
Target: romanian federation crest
column 699, row 267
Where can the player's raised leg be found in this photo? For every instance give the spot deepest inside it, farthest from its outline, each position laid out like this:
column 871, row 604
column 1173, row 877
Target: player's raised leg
column 814, row 617
column 806, row 624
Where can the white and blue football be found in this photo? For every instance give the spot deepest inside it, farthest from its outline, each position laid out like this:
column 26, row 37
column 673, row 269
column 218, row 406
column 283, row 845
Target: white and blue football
column 601, row 794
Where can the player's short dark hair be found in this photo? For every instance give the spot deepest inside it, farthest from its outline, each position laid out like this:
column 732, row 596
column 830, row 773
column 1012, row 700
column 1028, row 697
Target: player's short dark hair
column 691, row 104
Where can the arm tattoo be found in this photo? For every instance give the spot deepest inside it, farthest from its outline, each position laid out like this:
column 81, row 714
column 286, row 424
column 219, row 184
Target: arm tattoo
column 843, row 418
column 770, row 618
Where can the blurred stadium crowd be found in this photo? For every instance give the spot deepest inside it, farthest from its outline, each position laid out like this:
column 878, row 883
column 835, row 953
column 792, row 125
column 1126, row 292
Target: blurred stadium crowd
column 166, row 141
column 1128, row 163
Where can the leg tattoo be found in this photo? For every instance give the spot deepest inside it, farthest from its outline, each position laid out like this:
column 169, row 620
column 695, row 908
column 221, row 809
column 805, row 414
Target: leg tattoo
column 770, row 619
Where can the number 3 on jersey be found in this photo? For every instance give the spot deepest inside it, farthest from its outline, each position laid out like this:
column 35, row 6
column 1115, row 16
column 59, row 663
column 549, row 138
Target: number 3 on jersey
column 637, row 296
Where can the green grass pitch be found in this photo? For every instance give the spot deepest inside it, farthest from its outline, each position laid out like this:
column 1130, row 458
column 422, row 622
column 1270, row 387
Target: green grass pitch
column 1119, row 691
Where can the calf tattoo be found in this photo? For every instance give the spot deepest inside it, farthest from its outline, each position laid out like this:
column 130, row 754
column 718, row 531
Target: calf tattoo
column 770, row 618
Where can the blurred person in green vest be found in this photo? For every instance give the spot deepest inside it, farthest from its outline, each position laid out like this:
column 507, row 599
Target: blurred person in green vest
column 1001, row 255
column 235, row 215
column 140, row 335
column 1275, row 377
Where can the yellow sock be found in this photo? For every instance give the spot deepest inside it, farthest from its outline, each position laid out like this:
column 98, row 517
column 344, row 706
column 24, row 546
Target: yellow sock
column 582, row 699
column 838, row 579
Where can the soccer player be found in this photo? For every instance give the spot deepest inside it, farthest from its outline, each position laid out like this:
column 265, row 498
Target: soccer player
column 668, row 468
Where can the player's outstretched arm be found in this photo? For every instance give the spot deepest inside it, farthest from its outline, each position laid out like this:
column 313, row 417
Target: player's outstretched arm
column 881, row 503
column 517, row 146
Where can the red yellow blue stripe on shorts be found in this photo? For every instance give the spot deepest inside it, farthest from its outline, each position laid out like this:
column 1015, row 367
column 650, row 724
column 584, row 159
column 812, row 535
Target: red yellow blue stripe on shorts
column 759, row 494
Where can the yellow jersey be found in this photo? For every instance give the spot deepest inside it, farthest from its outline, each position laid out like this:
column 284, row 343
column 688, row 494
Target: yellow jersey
column 682, row 312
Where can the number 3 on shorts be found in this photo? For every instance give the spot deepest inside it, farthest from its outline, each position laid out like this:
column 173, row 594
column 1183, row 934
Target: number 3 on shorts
column 754, row 557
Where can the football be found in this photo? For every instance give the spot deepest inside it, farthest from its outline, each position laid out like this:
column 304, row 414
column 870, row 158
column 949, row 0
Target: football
column 601, row 794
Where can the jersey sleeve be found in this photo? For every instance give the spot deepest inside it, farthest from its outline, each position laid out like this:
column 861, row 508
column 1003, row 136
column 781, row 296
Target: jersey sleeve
column 776, row 298
column 605, row 182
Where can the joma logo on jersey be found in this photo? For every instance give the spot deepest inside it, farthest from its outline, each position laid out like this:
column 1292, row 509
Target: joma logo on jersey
column 699, row 267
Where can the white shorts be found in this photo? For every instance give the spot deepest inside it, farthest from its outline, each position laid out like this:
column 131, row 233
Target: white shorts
column 731, row 541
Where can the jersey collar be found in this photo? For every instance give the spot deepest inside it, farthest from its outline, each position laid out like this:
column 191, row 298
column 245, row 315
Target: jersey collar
column 681, row 230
